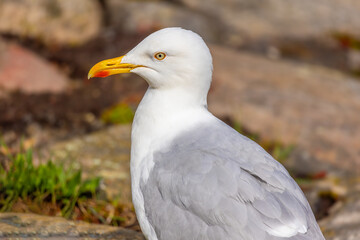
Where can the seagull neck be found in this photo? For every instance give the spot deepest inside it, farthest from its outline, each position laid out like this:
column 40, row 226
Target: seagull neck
column 161, row 115
column 170, row 100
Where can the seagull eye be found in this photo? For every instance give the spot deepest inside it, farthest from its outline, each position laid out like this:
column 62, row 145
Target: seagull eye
column 160, row 55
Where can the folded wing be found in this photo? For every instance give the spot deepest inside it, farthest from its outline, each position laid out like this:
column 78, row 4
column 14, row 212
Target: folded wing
column 214, row 183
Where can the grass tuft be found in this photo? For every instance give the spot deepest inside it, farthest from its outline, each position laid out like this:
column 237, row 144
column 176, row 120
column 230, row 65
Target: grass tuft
column 51, row 189
column 45, row 182
column 118, row 114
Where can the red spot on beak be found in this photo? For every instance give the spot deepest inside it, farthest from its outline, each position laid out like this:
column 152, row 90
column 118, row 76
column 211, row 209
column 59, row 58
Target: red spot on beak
column 102, row 74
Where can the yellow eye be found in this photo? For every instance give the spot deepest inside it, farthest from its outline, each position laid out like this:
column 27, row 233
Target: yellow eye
column 160, row 55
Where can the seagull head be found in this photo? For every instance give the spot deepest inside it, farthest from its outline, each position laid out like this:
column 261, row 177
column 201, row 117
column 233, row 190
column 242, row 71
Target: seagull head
column 166, row 59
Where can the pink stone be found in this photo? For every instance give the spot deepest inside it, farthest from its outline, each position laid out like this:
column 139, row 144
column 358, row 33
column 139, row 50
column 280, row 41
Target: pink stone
column 23, row 70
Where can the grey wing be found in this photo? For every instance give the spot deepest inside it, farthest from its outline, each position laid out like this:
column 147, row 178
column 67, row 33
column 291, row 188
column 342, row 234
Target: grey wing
column 205, row 187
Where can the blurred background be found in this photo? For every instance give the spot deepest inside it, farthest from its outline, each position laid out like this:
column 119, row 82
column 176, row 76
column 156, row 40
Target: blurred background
column 286, row 74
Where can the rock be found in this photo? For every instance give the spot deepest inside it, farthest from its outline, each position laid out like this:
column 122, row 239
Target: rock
column 353, row 58
column 259, row 19
column 344, row 220
column 323, row 193
column 314, row 108
column 25, row 226
column 22, row 70
column 106, row 154
column 53, row 22
column 157, row 15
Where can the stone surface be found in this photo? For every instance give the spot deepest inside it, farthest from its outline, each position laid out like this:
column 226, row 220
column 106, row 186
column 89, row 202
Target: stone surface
column 281, row 18
column 52, row 22
column 106, row 154
column 22, row 70
column 32, row 226
column 344, row 220
column 314, row 108
column 156, row 15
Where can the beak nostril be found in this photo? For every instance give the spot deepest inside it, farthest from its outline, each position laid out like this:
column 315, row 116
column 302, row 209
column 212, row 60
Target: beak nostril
column 110, row 64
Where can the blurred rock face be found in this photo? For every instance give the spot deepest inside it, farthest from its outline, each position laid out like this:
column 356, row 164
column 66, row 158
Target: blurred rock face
column 23, row 226
column 53, row 22
column 22, row 70
column 230, row 21
column 281, row 18
column 233, row 21
column 148, row 16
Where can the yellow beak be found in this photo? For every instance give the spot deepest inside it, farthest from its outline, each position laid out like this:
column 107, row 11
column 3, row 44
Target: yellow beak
column 110, row 67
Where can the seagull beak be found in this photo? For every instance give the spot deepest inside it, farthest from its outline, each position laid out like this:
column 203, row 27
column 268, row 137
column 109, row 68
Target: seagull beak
column 110, row 67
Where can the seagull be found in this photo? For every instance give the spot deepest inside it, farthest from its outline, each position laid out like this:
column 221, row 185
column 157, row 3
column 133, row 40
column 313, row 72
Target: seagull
column 192, row 176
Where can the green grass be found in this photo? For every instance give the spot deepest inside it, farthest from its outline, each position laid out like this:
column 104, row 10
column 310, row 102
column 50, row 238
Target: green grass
column 118, row 114
column 53, row 189
column 45, row 182
column 302, row 181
